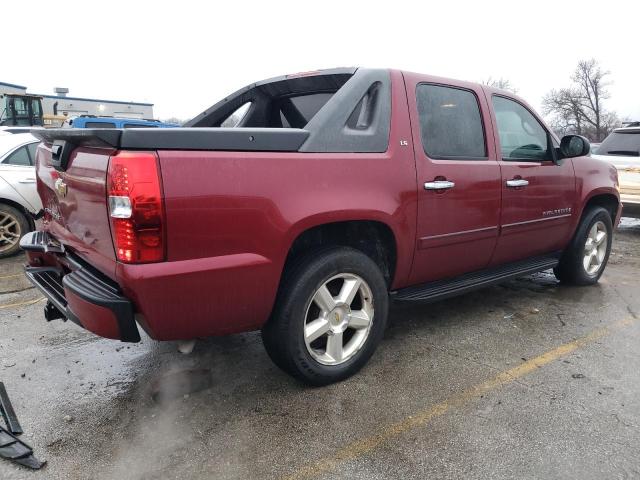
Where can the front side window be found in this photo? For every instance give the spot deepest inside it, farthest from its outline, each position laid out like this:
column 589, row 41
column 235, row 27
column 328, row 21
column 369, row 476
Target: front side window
column 450, row 122
column 521, row 135
column 19, row 157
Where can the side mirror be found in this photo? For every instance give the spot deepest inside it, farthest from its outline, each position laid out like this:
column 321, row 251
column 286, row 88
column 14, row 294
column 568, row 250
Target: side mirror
column 574, row 146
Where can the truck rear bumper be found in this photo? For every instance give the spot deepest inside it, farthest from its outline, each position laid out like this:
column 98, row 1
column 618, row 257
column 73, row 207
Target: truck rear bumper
column 77, row 292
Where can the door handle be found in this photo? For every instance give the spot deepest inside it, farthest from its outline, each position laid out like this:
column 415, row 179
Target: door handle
column 27, row 180
column 439, row 185
column 517, row 182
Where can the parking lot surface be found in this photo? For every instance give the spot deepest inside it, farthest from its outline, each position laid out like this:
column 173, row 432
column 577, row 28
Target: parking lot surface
column 529, row 379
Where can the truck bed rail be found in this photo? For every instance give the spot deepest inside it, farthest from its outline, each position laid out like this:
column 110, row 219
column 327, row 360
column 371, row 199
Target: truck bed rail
column 227, row 139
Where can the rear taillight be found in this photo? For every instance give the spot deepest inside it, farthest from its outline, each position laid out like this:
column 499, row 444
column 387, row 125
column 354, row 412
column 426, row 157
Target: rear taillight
column 136, row 207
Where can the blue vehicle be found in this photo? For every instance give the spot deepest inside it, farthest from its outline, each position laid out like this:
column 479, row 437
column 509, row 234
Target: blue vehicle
column 90, row 121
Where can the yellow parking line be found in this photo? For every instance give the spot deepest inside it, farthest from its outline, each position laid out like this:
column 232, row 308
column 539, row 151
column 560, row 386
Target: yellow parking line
column 21, row 304
column 366, row 445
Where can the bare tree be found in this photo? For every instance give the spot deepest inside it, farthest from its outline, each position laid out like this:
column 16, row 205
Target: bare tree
column 179, row 121
column 501, row 83
column 580, row 108
column 565, row 111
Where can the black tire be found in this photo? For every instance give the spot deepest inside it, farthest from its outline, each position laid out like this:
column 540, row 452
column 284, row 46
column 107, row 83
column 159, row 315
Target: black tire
column 571, row 269
column 19, row 225
column 283, row 335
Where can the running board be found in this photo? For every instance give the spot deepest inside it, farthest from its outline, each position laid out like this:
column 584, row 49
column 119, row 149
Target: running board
column 441, row 289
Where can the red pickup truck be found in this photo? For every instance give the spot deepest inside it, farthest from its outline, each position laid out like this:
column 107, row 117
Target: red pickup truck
column 302, row 204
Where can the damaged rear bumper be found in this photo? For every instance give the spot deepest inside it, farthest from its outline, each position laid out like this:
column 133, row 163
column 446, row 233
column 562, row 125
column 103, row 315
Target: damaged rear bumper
column 77, row 292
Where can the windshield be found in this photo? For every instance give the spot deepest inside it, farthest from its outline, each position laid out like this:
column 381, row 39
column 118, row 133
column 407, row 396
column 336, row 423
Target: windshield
column 621, row 143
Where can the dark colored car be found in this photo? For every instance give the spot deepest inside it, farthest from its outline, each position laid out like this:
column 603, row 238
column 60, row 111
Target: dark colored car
column 302, row 204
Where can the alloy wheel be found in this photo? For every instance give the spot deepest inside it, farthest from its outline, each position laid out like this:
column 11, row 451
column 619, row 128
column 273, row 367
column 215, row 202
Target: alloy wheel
column 10, row 231
column 338, row 319
column 595, row 248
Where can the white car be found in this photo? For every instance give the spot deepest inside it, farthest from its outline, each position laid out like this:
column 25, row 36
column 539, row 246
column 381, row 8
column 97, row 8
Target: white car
column 622, row 149
column 18, row 195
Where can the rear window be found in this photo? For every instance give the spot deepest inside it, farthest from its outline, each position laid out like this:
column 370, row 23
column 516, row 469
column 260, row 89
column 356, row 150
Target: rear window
column 290, row 101
column 100, row 125
column 621, row 143
column 236, row 117
column 283, row 112
column 309, row 105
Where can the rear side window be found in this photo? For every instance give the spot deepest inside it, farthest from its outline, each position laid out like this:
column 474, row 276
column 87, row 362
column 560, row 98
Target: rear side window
column 19, row 157
column 32, row 147
column 521, row 135
column 450, row 122
column 138, row 125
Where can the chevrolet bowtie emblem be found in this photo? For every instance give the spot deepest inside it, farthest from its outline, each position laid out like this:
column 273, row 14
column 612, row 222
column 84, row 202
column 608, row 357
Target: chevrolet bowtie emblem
column 61, row 187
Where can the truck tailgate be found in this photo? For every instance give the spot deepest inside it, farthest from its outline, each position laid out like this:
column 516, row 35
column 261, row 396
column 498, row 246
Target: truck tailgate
column 75, row 204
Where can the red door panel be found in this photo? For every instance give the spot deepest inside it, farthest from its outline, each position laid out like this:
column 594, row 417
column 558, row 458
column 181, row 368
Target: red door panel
column 457, row 226
column 538, row 195
column 537, row 218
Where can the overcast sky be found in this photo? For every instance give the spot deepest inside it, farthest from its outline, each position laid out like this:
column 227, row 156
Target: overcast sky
column 184, row 56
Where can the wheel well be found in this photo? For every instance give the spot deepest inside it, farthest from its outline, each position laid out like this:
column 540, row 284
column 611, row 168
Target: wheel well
column 607, row 201
column 21, row 209
column 374, row 239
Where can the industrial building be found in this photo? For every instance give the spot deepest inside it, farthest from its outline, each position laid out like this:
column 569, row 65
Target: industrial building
column 62, row 104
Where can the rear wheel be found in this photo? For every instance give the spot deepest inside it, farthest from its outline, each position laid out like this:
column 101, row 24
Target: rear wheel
column 329, row 318
column 13, row 225
column 584, row 261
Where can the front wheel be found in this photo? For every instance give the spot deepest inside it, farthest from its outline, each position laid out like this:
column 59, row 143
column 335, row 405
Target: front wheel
column 585, row 259
column 330, row 316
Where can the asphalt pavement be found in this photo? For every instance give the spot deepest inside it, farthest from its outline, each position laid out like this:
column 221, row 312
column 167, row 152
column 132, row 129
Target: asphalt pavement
column 529, row 379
